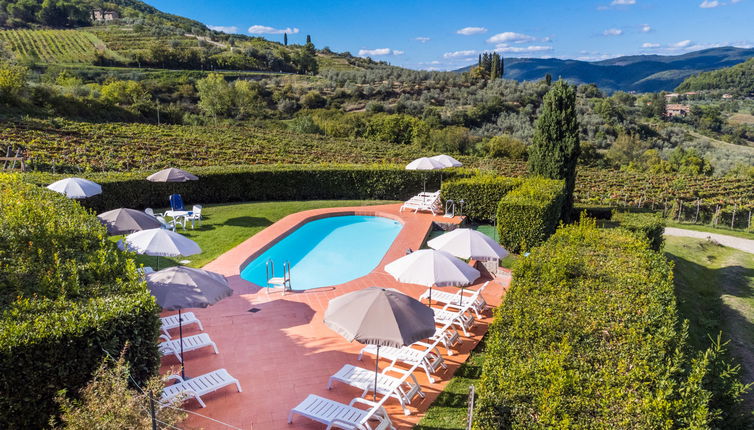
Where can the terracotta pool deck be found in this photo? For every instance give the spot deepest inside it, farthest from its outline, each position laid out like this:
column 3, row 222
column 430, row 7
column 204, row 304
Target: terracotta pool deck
column 284, row 352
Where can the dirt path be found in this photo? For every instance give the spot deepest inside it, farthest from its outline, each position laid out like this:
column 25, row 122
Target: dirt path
column 745, row 245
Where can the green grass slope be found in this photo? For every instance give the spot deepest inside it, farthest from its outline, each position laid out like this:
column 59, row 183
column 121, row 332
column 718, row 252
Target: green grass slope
column 738, row 79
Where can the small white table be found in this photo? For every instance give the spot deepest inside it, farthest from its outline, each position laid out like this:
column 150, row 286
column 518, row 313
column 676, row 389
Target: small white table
column 178, row 214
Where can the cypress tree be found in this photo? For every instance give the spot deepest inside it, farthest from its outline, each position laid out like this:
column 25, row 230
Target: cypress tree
column 285, row 39
column 502, row 66
column 479, row 64
column 493, row 67
column 555, row 149
column 548, row 79
column 308, row 39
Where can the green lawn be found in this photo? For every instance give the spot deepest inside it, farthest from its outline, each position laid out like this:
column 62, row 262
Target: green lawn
column 450, row 408
column 709, row 229
column 227, row 225
column 715, row 291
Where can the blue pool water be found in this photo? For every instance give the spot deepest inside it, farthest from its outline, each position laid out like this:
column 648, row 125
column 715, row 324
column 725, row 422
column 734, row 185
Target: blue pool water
column 328, row 251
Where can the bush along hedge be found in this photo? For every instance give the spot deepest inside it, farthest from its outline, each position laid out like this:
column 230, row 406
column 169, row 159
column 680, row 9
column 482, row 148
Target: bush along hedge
column 589, row 337
column 481, row 194
column 255, row 183
column 648, row 226
column 67, row 295
column 529, row 214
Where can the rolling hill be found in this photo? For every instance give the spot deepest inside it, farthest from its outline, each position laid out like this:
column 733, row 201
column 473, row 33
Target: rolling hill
column 641, row 73
column 737, row 79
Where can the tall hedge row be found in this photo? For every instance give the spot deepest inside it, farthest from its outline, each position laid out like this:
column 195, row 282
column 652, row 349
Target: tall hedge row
column 648, row 226
column 67, row 295
column 588, row 337
column 252, row 183
column 481, row 194
column 529, row 214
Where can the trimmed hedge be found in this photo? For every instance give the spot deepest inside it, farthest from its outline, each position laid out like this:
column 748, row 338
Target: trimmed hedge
column 529, row 214
column 481, row 194
column 255, row 183
column 648, row 226
column 67, row 294
column 588, row 337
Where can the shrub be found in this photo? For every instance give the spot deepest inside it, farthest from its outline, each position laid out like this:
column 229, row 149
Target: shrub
column 588, row 337
column 506, row 146
column 481, row 194
column 648, row 226
column 67, row 294
column 529, row 214
column 253, row 183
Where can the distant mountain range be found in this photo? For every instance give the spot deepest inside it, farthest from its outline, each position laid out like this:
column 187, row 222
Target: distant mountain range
column 641, row 73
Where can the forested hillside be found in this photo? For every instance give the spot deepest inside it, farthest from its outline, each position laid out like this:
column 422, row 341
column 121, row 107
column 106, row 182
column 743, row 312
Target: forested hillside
column 738, row 79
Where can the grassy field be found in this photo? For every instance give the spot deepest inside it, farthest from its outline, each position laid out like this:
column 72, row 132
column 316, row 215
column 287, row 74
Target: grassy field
column 225, row 226
column 715, row 290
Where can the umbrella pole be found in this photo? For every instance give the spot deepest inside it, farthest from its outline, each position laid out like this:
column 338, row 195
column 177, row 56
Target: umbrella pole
column 180, row 333
column 158, row 268
column 430, row 296
column 376, row 371
column 460, row 303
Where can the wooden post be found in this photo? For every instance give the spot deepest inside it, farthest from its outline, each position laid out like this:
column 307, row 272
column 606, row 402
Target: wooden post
column 696, row 216
column 733, row 218
column 470, row 410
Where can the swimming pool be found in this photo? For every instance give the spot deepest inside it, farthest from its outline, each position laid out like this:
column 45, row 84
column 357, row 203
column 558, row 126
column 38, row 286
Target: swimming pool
column 328, row 251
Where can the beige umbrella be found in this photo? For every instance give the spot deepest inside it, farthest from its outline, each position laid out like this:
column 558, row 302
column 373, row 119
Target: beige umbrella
column 172, row 175
column 123, row 221
column 382, row 317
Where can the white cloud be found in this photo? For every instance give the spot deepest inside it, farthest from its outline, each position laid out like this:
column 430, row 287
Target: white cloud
column 422, row 39
column 459, row 54
column 612, row 32
column 735, row 1
column 469, row 31
column 681, row 44
column 708, row 4
column 224, row 28
column 650, row 45
column 379, row 51
column 646, row 28
column 262, row 29
column 519, row 49
column 511, row 37
column 622, row 2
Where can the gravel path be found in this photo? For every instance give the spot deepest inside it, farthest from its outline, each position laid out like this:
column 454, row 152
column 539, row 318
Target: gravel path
column 745, row 245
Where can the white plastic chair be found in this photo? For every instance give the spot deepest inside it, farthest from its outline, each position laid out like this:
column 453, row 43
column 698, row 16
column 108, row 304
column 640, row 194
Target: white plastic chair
column 150, row 211
column 338, row 415
column 196, row 215
column 190, row 343
column 388, row 385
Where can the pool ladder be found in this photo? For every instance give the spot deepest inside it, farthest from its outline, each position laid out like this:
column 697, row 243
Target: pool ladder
column 273, row 281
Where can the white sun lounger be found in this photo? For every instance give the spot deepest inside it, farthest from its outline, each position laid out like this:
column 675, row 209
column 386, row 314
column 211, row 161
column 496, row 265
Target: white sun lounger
column 428, row 359
column 190, row 343
column 459, row 319
column 386, row 385
column 449, row 338
column 198, row 386
column 338, row 415
column 172, row 321
column 474, row 300
column 429, row 202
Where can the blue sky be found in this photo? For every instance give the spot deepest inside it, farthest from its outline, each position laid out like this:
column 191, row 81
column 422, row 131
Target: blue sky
column 445, row 34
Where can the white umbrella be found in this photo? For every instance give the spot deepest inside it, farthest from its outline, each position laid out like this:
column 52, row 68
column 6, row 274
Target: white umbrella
column 467, row 243
column 425, row 163
column 76, row 188
column 447, row 160
column 161, row 243
column 172, row 174
column 431, row 268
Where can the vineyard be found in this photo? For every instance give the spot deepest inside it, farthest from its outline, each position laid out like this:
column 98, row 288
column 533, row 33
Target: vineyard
column 125, row 41
column 67, row 146
column 54, row 46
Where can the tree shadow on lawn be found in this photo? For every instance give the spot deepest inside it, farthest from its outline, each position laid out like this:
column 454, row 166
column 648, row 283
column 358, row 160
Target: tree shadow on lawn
column 248, row 221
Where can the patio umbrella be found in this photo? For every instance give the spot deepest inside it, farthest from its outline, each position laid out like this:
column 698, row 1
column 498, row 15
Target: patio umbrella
column 467, row 243
column 76, row 188
column 425, row 163
column 172, row 175
column 161, row 243
column 447, row 160
column 180, row 287
column 382, row 317
column 432, row 268
column 123, row 221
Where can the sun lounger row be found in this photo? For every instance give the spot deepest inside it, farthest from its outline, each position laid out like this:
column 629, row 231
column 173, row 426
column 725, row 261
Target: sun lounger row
column 458, row 301
column 387, row 385
column 199, row 385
